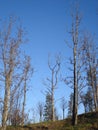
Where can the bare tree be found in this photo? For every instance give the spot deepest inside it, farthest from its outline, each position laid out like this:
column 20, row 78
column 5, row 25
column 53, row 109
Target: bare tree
column 40, row 108
column 27, row 73
column 15, row 96
column 74, row 80
column 52, row 81
column 91, row 65
column 10, row 43
column 63, row 106
column 75, row 43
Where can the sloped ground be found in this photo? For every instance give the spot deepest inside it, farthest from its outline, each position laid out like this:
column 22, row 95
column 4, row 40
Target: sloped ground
column 87, row 121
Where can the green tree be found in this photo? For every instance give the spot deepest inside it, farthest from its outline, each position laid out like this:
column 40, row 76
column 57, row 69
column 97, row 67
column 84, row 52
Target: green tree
column 87, row 100
column 70, row 105
column 40, row 109
column 48, row 108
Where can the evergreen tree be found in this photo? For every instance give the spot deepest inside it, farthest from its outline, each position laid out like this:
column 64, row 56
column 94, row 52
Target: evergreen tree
column 48, row 108
column 87, row 100
column 70, row 105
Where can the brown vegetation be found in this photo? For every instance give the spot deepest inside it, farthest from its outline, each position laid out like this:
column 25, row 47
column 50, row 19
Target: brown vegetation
column 87, row 121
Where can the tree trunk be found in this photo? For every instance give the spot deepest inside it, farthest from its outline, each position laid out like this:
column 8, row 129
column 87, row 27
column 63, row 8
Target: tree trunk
column 63, row 114
column 6, row 104
column 75, row 96
column 53, row 112
column 24, row 102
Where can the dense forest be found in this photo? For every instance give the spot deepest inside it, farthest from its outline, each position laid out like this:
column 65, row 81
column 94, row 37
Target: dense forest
column 16, row 71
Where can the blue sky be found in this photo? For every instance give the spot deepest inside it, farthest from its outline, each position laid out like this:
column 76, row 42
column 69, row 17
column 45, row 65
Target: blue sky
column 47, row 23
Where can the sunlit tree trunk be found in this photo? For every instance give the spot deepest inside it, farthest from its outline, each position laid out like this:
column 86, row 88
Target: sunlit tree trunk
column 6, row 104
column 75, row 37
column 24, row 103
column 53, row 80
column 27, row 72
column 75, row 96
column 9, row 49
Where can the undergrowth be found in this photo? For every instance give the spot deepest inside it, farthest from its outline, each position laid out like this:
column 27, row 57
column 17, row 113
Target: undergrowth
column 87, row 121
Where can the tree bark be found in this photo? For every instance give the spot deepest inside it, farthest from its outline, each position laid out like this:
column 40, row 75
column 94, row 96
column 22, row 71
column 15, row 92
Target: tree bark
column 6, row 106
column 6, row 100
column 24, row 103
column 75, row 96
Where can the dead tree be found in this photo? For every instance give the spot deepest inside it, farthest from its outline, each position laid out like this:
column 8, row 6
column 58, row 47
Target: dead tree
column 27, row 73
column 52, row 82
column 75, row 61
column 91, row 66
column 10, row 43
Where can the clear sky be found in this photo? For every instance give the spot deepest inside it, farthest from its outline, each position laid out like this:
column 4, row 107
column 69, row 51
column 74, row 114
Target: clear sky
column 47, row 23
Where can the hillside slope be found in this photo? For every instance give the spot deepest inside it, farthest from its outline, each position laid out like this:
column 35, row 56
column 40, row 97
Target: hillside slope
column 87, row 121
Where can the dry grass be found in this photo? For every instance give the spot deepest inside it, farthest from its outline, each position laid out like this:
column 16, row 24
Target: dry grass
column 86, row 122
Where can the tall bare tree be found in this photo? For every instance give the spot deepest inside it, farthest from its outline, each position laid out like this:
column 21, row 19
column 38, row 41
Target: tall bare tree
column 10, row 43
column 91, row 63
column 15, row 94
column 75, row 31
column 74, row 81
column 52, row 81
column 27, row 73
